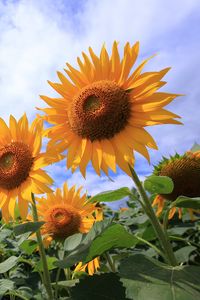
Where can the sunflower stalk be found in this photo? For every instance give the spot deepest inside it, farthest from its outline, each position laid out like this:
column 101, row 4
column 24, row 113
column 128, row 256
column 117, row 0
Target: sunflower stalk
column 110, row 262
column 161, row 234
column 47, row 280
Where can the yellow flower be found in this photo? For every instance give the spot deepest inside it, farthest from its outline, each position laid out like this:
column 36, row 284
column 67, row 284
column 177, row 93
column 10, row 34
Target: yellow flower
column 65, row 212
column 104, row 108
column 20, row 165
column 185, row 172
column 91, row 267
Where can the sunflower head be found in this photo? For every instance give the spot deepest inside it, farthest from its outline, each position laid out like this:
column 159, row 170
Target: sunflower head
column 15, row 164
column 184, row 170
column 65, row 212
column 20, row 165
column 103, row 109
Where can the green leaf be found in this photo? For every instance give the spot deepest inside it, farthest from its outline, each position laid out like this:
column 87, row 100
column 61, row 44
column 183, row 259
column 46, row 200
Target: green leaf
column 159, row 184
column 4, row 233
column 99, row 287
column 28, row 246
column 186, row 202
column 50, row 262
column 180, row 230
column 110, row 196
column 66, row 284
column 27, row 227
column 145, row 278
column 114, row 236
column 8, row 264
column 5, row 285
column 80, row 252
column 73, row 241
column 182, row 254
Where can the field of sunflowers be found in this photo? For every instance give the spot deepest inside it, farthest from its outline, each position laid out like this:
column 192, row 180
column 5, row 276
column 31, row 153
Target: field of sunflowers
column 64, row 244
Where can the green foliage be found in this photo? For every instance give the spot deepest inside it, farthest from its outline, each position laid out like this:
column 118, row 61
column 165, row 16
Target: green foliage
column 159, row 184
column 187, row 202
column 110, row 196
column 145, row 278
column 27, row 227
column 103, row 236
column 8, row 264
column 121, row 236
column 99, row 287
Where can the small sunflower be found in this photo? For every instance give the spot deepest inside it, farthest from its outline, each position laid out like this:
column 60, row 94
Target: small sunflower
column 20, row 165
column 64, row 212
column 103, row 109
column 185, row 172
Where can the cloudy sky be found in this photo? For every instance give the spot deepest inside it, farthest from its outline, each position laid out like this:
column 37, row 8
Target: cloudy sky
column 37, row 38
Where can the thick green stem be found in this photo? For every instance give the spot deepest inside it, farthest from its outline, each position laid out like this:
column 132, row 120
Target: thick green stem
column 47, row 280
column 162, row 236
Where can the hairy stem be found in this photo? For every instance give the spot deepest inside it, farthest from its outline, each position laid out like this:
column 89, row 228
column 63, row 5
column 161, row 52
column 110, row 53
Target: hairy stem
column 47, row 280
column 162, row 236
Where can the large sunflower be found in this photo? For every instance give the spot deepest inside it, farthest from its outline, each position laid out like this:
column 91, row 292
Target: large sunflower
column 64, row 212
column 184, row 170
column 104, row 108
column 20, row 165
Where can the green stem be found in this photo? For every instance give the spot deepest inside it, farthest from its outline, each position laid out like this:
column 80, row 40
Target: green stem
column 47, row 280
column 57, row 279
column 163, row 238
column 150, row 245
column 110, row 262
column 68, row 273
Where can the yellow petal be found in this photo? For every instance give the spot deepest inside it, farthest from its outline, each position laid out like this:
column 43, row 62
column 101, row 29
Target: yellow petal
column 23, row 207
column 96, row 156
column 41, row 176
column 108, row 154
column 11, row 207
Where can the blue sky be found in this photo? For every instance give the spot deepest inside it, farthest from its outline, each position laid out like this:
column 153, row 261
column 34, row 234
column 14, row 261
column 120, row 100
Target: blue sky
column 37, row 38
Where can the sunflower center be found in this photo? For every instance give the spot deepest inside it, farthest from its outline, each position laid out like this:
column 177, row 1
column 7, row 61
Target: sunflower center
column 185, row 173
column 15, row 164
column 62, row 221
column 99, row 111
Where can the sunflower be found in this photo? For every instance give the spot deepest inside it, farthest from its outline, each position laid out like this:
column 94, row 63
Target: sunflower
column 103, row 109
column 64, row 212
column 20, row 165
column 184, row 170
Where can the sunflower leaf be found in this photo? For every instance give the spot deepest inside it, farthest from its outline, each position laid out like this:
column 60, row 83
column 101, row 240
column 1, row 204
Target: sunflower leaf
column 110, row 196
column 27, row 227
column 114, row 236
column 8, row 264
column 5, row 285
column 159, row 184
column 182, row 254
column 145, row 278
column 186, row 202
column 102, row 237
column 101, row 287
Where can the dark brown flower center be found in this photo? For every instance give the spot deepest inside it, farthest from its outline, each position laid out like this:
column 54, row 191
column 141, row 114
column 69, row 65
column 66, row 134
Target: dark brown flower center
column 185, row 173
column 61, row 222
column 99, row 111
column 15, row 164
